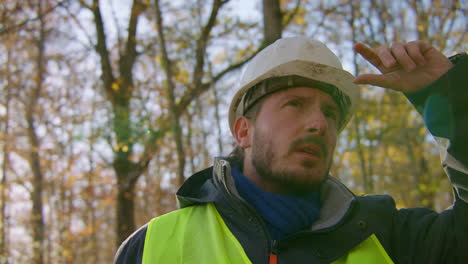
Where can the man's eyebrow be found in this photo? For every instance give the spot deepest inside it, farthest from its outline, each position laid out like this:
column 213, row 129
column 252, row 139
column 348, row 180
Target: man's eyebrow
column 298, row 97
column 329, row 105
column 332, row 106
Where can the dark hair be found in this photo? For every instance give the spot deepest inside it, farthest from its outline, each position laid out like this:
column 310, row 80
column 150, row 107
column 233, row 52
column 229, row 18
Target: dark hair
column 236, row 157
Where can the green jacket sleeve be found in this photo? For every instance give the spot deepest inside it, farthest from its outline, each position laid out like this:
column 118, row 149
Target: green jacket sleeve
column 444, row 107
column 421, row 235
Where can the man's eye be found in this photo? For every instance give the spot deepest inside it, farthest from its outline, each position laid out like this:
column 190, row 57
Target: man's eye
column 331, row 114
column 294, row 103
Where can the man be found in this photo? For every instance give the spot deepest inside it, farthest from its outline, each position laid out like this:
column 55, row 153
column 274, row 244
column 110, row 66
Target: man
column 273, row 200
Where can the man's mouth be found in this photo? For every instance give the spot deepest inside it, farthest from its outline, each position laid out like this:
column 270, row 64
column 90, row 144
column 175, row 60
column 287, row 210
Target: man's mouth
column 310, row 150
column 310, row 147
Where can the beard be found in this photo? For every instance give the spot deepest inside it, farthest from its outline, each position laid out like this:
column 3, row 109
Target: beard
column 291, row 180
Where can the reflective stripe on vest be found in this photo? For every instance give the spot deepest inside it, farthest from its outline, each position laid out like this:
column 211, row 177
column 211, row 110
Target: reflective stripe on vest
column 198, row 234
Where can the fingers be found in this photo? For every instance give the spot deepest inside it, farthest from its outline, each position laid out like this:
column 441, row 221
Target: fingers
column 369, row 54
column 407, row 56
column 386, row 56
column 405, row 67
column 401, row 55
column 377, row 80
column 415, row 50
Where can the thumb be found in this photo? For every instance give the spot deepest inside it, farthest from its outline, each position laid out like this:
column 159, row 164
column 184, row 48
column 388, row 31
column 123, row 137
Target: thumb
column 374, row 79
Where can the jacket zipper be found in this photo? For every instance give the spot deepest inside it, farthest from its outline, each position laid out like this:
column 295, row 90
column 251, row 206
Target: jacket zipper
column 273, row 256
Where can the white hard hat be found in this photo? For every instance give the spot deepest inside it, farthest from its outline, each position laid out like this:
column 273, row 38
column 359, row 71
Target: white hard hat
column 294, row 62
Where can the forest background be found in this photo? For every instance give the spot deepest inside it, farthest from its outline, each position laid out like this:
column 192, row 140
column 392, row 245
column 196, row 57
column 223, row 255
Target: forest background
column 107, row 106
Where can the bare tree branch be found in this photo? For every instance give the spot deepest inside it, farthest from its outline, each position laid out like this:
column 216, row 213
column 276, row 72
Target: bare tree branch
column 292, row 14
column 81, row 27
column 202, row 43
column 101, row 48
column 194, row 93
column 127, row 61
column 26, row 21
column 117, row 28
column 170, row 88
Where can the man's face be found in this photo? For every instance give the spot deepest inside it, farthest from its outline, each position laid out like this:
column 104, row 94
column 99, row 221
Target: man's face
column 292, row 140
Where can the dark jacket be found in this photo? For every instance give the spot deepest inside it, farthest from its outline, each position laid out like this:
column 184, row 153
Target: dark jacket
column 417, row 235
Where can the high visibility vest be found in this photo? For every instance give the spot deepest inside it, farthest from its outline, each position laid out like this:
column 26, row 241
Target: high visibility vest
column 198, row 235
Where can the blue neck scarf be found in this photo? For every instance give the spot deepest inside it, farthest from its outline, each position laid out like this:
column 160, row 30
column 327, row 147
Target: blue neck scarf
column 283, row 214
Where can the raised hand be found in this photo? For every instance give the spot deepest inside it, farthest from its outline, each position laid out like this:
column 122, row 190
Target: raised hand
column 405, row 67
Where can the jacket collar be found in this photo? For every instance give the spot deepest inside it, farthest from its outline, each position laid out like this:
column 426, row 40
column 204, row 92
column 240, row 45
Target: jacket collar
column 209, row 185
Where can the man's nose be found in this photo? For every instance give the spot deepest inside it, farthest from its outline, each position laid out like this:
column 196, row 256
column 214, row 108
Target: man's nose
column 317, row 123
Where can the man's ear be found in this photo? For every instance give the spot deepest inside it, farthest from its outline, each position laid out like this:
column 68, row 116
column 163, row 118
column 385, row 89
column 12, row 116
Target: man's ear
column 242, row 131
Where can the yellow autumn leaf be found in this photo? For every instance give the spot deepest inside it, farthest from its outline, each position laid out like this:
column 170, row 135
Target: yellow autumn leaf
column 115, row 87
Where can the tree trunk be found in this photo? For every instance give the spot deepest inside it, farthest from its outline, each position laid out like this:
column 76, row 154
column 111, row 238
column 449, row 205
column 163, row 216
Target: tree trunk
column 4, row 222
column 362, row 158
column 94, row 245
column 272, row 20
column 189, row 143
column 207, row 159
column 125, row 213
column 366, row 176
column 170, row 90
column 34, row 159
column 127, row 172
column 216, row 111
column 118, row 91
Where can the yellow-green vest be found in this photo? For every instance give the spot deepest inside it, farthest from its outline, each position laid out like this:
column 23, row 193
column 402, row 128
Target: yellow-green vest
column 198, row 234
